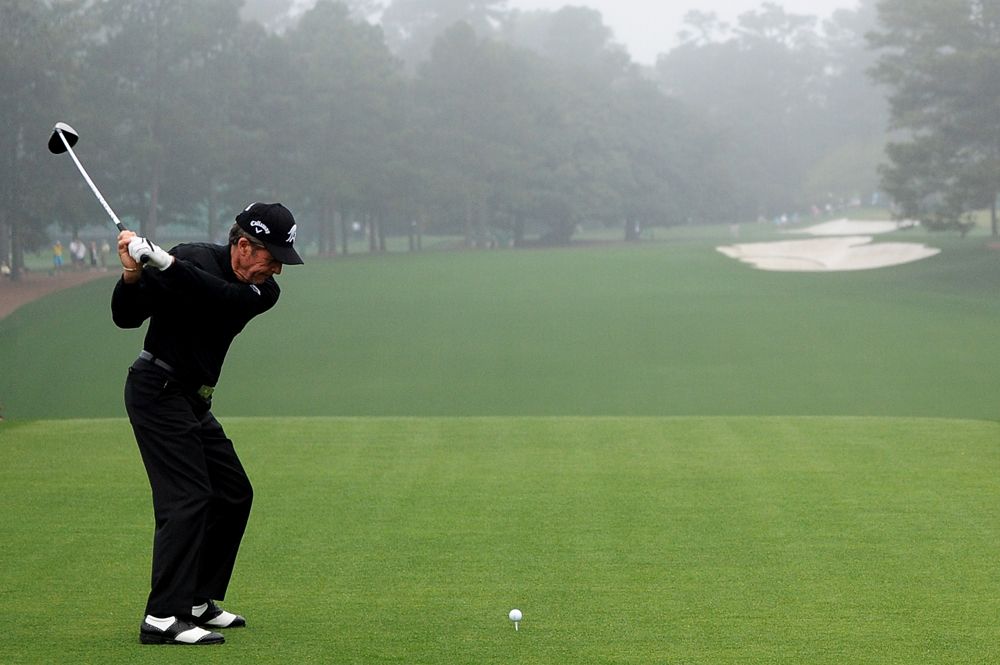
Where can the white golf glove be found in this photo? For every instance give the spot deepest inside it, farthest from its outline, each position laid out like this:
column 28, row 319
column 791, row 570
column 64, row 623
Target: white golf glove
column 155, row 256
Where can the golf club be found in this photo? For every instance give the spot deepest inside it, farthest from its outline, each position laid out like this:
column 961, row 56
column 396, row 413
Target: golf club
column 62, row 140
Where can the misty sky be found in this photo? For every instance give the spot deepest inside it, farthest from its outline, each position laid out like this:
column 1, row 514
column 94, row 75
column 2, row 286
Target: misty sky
column 648, row 27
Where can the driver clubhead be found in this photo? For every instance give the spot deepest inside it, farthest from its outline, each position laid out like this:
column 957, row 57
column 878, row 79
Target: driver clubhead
column 56, row 145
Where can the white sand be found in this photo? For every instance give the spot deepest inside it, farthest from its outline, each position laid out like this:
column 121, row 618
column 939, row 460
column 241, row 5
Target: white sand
column 853, row 227
column 834, row 253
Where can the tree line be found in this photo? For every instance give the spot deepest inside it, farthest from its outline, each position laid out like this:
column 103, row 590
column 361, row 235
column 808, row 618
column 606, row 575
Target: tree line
column 467, row 117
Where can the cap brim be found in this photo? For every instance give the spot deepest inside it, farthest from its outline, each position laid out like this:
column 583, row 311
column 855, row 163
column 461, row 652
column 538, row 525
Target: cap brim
column 285, row 255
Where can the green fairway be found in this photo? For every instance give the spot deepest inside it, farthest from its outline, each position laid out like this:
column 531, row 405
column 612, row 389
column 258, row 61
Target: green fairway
column 667, row 328
column 623, row 540
column 657, row 453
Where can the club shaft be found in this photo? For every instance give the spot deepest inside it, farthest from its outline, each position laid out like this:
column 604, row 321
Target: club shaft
column 93, row 187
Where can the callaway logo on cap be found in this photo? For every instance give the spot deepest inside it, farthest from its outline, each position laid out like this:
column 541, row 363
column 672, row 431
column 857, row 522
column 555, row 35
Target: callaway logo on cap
column 273, row 225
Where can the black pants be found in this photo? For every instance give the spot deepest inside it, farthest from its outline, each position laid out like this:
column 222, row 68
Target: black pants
column 201, row 494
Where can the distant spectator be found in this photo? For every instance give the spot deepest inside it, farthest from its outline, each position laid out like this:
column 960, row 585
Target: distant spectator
column 57, row 260
column 77, row 252
column 92, row 254
column 105, row 253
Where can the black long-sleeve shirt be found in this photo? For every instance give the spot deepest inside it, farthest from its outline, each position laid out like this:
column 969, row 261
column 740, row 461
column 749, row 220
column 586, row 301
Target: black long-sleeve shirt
column 196, row 307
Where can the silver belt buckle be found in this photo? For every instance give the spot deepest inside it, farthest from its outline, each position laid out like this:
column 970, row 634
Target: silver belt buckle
column 205, row 392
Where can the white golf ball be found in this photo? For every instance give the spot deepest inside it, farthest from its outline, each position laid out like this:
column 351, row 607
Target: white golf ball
column 515, row 615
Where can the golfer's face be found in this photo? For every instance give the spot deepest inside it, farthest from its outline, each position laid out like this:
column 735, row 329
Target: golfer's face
column 254, row 263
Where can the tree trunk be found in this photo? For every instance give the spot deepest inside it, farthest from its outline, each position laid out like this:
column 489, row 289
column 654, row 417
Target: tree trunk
column 331, row 229
column 993, row 215
column 328, row 233
column 344, row 236
column 468, row 221
column 212, row 214
column 322, row 237
column 149, row 227
column 4, row 243
column 519, row 231
column 16, row 254
column 326, row 238
column 482, row 222
column 631, row 230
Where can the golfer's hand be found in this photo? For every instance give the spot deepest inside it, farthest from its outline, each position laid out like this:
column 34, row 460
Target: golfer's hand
column 154, row 255
column 130, row 266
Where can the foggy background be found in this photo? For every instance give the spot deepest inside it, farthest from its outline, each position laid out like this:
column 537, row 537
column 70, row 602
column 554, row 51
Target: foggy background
column 504, row 124
column 647, row 29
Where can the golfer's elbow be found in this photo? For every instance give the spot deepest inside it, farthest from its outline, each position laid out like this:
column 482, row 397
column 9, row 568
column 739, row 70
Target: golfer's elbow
column 126, row 318
column 126, row 322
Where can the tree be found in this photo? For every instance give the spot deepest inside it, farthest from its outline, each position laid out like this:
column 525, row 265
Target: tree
column 348, row 113
column 940, row 60
column 461, row 93
column 793, row 103
column 37, row 41
column 150, row 59
column 412, row 26
column 675, row 168
column 760, row 87
column 701, row 28
column 235, row 145
column 277, row 16
column 513, row 139
column 851, row 122
column 565, row 134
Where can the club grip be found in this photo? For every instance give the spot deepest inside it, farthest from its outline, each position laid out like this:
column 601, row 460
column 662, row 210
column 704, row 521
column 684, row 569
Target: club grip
column 144, row 259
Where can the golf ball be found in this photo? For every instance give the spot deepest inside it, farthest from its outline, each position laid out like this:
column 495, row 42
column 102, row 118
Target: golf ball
column 515, row 615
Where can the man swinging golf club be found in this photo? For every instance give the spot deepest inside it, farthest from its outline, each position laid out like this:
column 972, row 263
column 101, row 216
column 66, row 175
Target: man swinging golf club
column 197, row 298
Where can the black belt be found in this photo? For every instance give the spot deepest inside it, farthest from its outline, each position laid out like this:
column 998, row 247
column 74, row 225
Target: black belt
column 205, row 392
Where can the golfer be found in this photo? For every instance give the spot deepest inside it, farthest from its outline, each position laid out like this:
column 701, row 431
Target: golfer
column 197, row 298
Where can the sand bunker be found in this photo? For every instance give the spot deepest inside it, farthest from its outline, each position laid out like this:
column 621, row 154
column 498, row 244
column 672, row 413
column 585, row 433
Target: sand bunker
column 834, row 253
